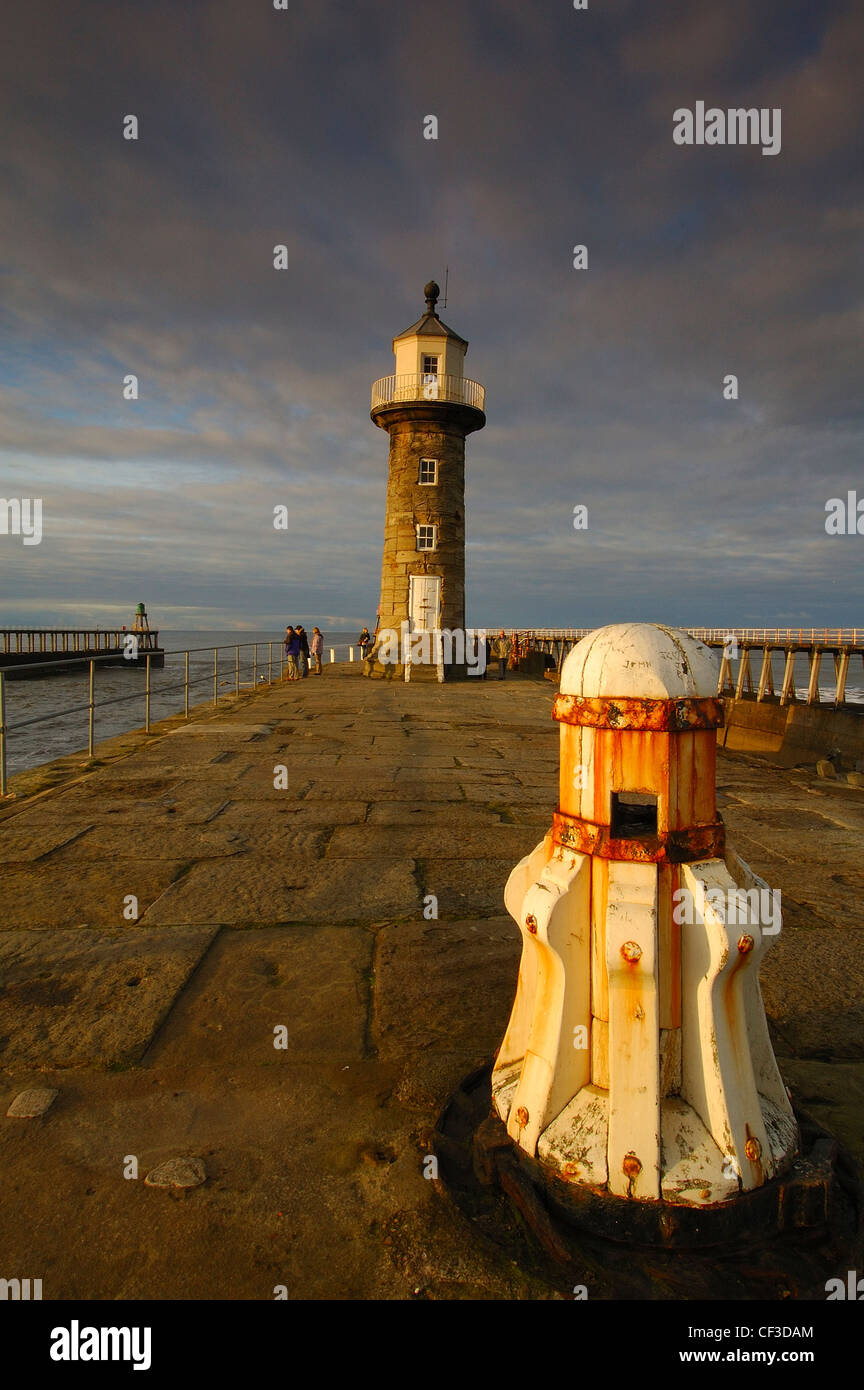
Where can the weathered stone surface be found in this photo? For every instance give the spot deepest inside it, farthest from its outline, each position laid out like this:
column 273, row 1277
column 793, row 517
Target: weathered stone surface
column 82, row 997
column 252, row 890
column 810, row 983
column 302, row 981
column 178, row 1172
column 315, row 1152
column 75, row 893
column 21, row 844
column 28, row 1104
column 826, row 768
column 468, row 885
column 432, row 841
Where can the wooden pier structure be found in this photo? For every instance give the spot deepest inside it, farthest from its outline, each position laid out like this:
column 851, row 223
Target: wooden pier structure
column 59, row 648
column 754, row 678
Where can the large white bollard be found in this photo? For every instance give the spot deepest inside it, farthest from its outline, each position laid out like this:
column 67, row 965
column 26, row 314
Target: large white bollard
column 637, row 1059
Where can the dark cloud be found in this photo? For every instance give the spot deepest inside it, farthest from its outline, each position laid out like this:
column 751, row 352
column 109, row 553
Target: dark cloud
column 604, row 387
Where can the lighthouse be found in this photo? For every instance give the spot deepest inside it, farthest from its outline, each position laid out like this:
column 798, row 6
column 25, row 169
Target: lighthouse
column 428, row 407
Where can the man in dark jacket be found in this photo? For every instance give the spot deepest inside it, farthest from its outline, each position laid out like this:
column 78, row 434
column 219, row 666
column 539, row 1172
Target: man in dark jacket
column 303, row 658
column 292, row 651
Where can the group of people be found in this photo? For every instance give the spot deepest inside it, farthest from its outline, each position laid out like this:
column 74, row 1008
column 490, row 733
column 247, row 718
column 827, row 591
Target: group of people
column 301, row 650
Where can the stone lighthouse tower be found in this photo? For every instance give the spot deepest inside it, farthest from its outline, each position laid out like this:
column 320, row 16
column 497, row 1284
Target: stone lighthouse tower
column 427, row 407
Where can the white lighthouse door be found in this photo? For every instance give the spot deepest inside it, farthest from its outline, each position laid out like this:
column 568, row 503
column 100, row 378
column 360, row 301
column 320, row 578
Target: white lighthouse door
column 424, row 611
column 424, row 602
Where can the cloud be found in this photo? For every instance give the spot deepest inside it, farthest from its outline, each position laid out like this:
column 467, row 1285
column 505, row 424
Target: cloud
column 604, row 386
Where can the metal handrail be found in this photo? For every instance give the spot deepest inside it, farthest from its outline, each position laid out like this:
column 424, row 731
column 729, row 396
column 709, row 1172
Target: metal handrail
column 757, row 636
column 430, row 386
column 185, row 685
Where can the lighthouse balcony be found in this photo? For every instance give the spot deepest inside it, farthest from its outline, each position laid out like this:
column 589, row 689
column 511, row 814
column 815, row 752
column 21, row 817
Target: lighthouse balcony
column 418, row 386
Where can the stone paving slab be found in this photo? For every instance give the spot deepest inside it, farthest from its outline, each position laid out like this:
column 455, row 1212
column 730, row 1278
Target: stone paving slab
column 245, row 815
column 24, row 843
column 311, row 982
column 408, row 813
column 173, row 841
column 82, row 894
column 76, row 998
column 254, row 890
column 433, row 842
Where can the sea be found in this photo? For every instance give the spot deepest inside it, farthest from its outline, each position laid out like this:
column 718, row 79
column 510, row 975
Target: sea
column 58, row 700
column 50, row 698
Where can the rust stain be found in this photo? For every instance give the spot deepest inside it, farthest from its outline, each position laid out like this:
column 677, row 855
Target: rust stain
column 531, row 924
column 631, row 951
column 753, row 1151
column 658, row 716
column 522, row 1116
column 706, row 841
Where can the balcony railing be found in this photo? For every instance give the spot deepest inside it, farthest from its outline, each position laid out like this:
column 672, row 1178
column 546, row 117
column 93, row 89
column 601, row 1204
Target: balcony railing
column 414, row 386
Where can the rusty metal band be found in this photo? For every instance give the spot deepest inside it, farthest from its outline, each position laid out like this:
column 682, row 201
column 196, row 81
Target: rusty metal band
column 706, row 841
column 647, row 716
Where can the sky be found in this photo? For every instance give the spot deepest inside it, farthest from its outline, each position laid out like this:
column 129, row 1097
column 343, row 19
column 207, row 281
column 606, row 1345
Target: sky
column 304, row 127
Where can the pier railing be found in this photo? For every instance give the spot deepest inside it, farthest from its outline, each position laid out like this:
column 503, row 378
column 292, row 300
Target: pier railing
column 23, row 640
column 839, row 644
column 247, row 671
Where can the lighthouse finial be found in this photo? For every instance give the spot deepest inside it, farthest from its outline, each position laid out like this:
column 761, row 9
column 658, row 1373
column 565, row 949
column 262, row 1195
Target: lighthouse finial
column 432, row 292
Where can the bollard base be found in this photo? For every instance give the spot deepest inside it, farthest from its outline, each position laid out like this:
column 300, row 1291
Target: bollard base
column 785, row 1239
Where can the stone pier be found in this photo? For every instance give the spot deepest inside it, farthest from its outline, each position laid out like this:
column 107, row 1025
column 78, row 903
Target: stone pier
column 170, row 912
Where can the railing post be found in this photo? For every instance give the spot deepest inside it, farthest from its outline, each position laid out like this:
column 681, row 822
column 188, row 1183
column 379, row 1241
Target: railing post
column 215, row 675
column 186, row 685
column 147, row 694
column 332, row 656
column 270, row 665
column 91, row 707
column 255, row 666
column 236, row 670
column 2, row 734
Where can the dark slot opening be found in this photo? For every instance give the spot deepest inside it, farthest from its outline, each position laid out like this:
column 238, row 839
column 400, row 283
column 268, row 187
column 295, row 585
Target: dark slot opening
column 634, row 816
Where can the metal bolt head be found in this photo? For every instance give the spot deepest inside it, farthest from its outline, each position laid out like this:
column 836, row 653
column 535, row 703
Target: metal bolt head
column 753, row 1150
column 631, row 1165
column 631, row 951
column 531, row 923
column 745, row 944
column 522, row 1116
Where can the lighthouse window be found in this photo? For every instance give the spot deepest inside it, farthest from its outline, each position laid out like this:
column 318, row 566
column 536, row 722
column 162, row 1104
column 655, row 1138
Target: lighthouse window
column 427, row 537
column 428, row 471
column 634, row 816
column 430, row 366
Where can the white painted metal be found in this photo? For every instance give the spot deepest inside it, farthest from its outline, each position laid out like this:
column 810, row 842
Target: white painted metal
column 634, row 1031
column 692, row 1112
column 642, row 660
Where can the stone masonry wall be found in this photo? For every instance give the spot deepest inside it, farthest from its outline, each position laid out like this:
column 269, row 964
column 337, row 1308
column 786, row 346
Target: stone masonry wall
column 409, row 503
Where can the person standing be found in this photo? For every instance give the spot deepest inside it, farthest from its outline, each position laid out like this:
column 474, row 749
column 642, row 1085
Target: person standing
column 364, row 642
column 303, row 656
column 316, row 647
column 502, row 655
column 292, row 651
